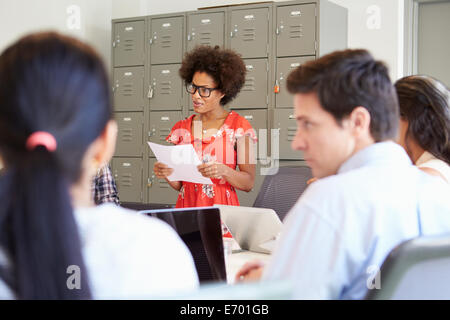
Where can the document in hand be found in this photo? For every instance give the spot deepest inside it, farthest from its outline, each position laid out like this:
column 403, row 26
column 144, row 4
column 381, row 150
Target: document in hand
column 182, row 159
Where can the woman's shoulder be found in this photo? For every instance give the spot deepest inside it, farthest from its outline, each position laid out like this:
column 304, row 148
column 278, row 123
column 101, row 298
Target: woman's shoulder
column 241, row 125
column 109, row 220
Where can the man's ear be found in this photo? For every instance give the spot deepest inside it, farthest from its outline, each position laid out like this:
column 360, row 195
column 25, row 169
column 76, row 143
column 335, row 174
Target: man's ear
column 106, row 143
column 360, row 122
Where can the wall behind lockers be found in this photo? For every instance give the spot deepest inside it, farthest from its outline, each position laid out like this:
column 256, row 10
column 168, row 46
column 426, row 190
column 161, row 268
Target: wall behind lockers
column 376, row 25
column 84, row 19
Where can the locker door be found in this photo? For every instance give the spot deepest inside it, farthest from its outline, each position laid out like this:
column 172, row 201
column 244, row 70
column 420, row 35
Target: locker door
column 130, row 134
column 166, row 40
column 160, row 125
column 205, row 29
column 284, row 119
column 258, row 120
column 128, row 44
column 128, row 89
column 128, row 175
column 159, row 190
column 254, row 92
column 283, row 99
column 166, row 88
column 296, row 30
column 250, row 32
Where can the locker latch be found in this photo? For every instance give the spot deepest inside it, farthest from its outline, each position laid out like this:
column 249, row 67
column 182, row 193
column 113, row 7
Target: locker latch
column 150, row 181
column 152, row 133
column 279, row 29
column 276, row 88
column 150, row 92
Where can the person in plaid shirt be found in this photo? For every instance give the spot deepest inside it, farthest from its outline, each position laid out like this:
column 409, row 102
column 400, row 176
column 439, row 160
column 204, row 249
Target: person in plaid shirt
column 104, row 187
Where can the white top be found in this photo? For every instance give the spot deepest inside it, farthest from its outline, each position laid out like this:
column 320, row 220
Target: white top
column 130, row 256
column 427, row 160
column 341, row 229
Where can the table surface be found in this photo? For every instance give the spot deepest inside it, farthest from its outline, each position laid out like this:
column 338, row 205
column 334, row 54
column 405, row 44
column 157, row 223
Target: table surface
column 238, row 258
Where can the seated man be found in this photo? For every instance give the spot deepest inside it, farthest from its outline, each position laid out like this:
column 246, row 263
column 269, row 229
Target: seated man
column 368, row 197
column 104, row 187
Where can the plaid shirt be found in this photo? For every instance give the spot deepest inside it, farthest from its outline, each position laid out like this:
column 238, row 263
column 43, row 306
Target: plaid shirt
column 104, row 187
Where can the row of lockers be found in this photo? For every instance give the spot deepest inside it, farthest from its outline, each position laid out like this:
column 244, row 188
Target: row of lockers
column 246, row 30
column 166, row 90
column 149, row 96
column 131, row 138
column 133, row 185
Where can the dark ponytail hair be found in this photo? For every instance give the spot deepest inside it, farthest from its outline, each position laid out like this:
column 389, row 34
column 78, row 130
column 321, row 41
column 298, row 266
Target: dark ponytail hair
column 55, row 84
column 425, row 105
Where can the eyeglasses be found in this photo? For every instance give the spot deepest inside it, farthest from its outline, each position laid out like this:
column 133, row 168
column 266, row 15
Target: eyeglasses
column 202, row 91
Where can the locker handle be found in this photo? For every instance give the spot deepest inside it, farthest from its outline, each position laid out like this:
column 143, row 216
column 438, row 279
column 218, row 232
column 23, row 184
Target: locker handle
column 150, row 181
column 114, row 44
column 279, row 29
column 150, row 92
column 248, row 117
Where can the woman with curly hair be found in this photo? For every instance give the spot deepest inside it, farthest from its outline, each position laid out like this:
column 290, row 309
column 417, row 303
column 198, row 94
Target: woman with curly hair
column 425, row 123
column 223, row 140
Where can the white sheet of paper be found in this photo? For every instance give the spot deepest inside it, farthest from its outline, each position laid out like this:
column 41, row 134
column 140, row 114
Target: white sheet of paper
column 183, row 159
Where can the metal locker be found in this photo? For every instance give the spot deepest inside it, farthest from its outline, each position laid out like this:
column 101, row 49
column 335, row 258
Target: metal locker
column 159, row 190
column 128, row 174
column 254, row 93
column 205, row 29
column 283, row 99
column 296, row 30
column 258, row 120
column 161, row 124
column 130, row 134
column 128, row 89
column 250, row 32
column 166, row 40
column 284, row 120
column 128, row 43
column 166, row 88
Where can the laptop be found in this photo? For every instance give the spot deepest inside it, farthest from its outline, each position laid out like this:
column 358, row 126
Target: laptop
column 200, row 229
column 254, row 229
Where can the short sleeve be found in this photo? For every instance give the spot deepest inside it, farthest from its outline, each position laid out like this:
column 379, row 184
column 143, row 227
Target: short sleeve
column 244, row 128
column 179, row 134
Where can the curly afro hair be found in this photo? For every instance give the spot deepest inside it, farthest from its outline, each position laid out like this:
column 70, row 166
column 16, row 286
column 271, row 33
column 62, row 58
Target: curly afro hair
column 224, row 66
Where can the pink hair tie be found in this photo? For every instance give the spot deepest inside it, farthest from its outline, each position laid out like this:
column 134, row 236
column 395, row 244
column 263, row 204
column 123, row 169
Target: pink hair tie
column 41, row 138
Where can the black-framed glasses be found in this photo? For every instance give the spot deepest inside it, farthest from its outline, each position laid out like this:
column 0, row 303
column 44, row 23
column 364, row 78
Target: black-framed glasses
column 202, row 91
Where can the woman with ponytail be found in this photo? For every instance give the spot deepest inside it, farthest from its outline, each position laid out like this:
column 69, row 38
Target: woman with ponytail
column 56, row 131
column 425, row 123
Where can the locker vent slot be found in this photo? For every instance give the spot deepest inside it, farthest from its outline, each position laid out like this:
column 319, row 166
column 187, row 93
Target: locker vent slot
column 295, row 31
column 249, row 34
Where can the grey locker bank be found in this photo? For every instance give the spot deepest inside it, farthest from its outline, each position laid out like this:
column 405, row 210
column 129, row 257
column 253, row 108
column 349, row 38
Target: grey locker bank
column 273, row 38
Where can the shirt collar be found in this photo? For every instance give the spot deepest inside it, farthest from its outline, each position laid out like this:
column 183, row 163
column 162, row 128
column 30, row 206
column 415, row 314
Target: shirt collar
column 387, row 152
column 426, row 156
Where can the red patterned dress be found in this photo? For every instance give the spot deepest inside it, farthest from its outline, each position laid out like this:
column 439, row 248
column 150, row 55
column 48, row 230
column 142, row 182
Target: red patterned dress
column 221, row 147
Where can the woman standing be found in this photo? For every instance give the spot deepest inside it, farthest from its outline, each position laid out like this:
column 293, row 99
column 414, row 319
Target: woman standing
column 223, row 140
column 425, row 123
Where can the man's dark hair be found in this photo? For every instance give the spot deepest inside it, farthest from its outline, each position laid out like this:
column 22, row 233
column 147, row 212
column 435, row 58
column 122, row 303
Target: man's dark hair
column 344, row 80
column 225, row 66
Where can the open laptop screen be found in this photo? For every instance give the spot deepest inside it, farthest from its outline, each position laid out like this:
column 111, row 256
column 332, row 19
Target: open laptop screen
column 200, row 229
